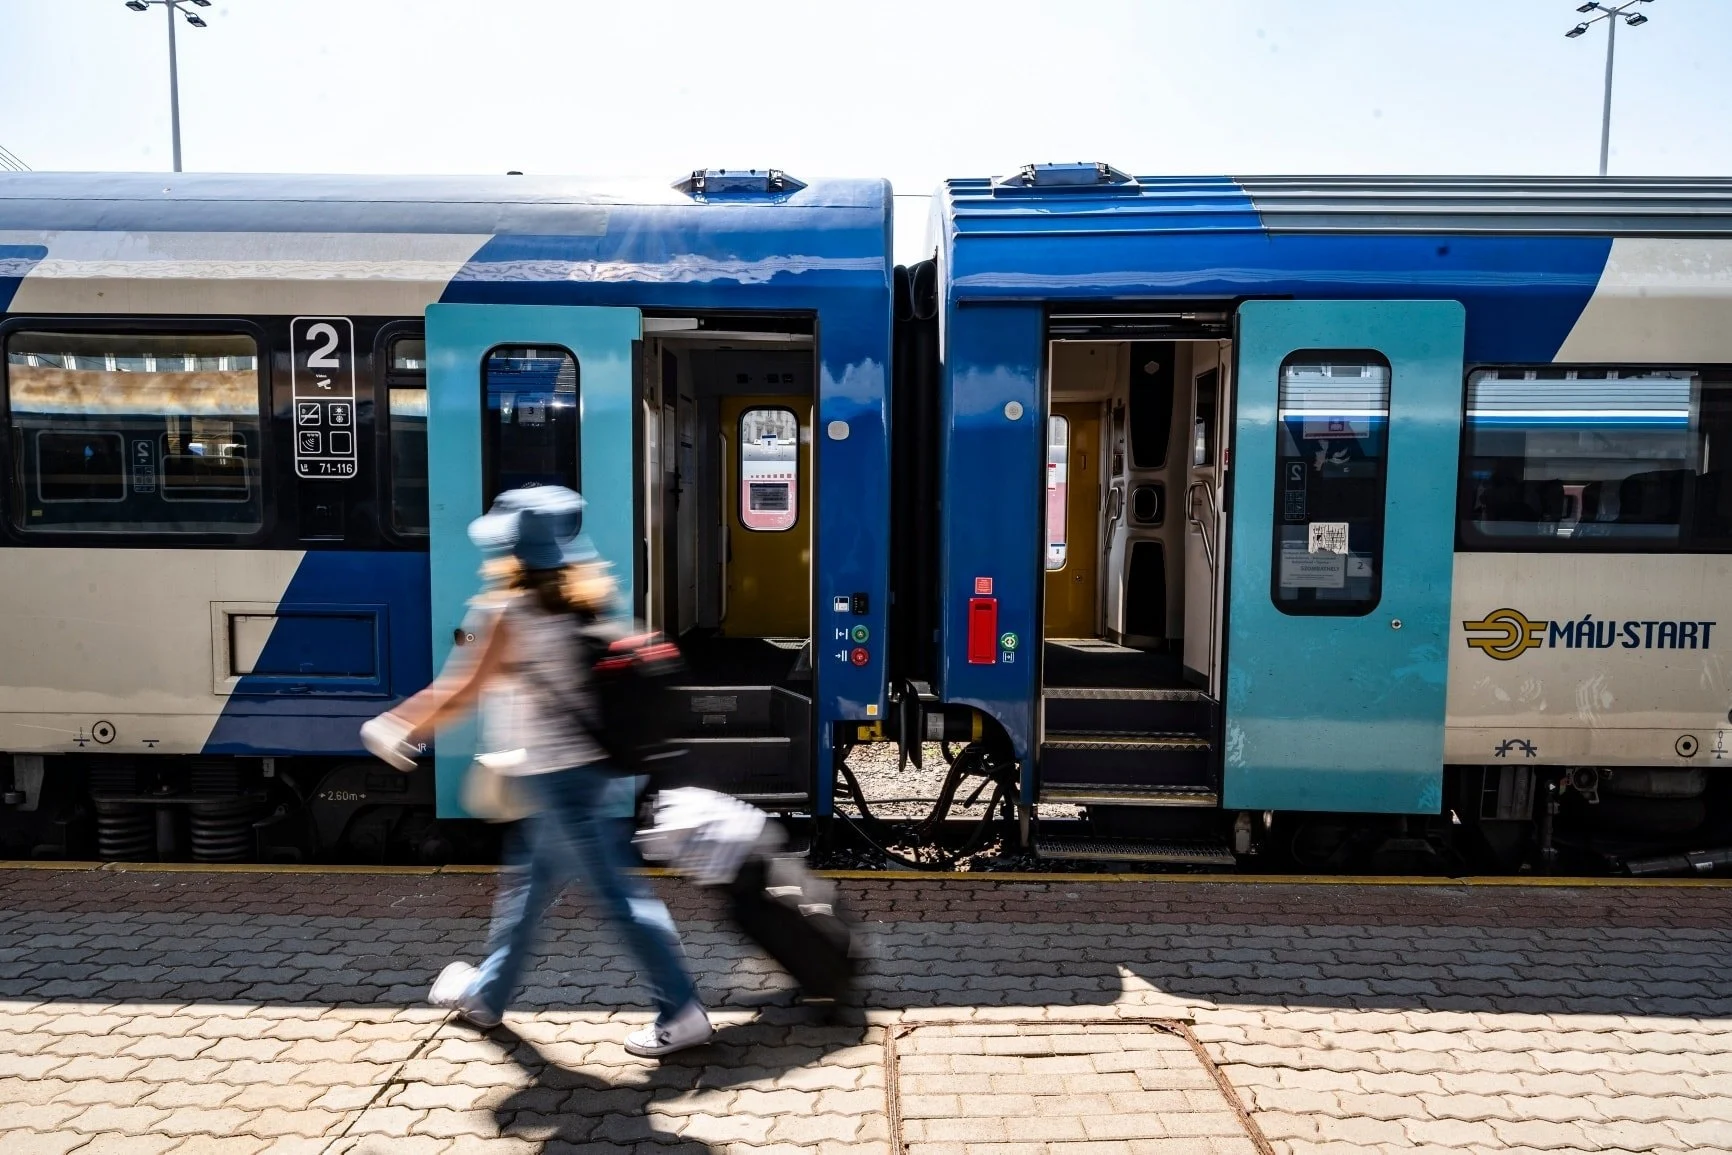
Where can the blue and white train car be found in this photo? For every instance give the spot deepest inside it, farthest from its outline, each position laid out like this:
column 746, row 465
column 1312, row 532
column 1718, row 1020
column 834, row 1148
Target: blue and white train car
column 1408, row 497
column 248, row 417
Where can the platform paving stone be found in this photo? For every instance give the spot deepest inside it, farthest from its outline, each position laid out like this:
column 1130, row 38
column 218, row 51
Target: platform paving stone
column 1059, row 1088
column 240, row 1011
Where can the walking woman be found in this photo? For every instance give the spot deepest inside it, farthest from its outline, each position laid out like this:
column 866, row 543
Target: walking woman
column 524, row 665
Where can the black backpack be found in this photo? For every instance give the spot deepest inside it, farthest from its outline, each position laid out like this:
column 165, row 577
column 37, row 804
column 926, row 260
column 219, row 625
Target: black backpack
column 632, row 674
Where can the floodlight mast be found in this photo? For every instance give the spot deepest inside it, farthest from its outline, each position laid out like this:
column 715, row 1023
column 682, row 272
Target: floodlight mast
column 1610, row 13
column 170, row 7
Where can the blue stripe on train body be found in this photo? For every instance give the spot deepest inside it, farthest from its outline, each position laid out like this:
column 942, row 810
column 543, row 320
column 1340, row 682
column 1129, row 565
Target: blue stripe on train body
column 352, row 638
column 16, row 261
column 1523, row 294
column 1009, row 255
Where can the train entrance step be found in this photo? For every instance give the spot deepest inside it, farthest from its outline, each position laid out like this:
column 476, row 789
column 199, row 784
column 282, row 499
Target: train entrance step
column 1127, row 743
column 1084, row 709
column 1189, row 852
column 1114, row 794
column 1110, row 746
column 1136, row 764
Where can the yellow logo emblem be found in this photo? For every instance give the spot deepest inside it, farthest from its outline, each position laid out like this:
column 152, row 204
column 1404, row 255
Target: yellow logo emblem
column 1508, row 634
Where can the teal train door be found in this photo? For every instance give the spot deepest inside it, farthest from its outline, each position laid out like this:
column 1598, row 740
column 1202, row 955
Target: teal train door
column 1346, row 440
column 521, row 395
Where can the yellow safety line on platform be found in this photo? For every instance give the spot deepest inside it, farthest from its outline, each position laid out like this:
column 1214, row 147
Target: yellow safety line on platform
column 927, row 876
column 1278, row 879
column 48, row 864
column 259, row 868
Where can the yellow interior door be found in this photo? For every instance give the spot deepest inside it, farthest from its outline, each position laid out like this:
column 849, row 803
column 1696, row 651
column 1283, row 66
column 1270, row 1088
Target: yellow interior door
column 767, row 507
column 1070, row 588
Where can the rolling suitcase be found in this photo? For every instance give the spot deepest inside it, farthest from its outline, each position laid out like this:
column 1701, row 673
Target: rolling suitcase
column 796, row 917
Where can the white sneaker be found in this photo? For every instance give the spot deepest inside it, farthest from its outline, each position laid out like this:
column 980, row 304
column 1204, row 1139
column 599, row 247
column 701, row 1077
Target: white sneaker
column 689, row 1027
column 452, row 990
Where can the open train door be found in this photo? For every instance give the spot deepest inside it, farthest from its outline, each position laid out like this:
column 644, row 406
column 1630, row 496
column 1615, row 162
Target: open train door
column 1347, row 434
column 522, row 395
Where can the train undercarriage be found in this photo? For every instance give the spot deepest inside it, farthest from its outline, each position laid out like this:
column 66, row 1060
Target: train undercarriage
column 1497, row 820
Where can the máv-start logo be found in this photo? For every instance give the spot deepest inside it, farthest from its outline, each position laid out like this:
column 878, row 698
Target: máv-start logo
column 1507, row 634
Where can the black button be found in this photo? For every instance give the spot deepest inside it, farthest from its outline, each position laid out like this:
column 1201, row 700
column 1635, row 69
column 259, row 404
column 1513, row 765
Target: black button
column 859, row 604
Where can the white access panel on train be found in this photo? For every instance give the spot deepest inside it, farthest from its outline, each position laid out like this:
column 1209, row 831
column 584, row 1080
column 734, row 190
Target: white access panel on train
column 1595, row 660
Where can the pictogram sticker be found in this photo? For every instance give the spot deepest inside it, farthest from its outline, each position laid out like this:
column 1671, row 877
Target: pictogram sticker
column 322, row 382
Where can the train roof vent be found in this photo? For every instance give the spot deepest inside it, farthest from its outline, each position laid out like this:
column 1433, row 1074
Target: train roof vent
column 706, row 183
column 1078, row 175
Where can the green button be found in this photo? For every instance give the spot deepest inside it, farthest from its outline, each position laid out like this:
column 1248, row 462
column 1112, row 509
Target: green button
column 860, row 633
column 1007, row 641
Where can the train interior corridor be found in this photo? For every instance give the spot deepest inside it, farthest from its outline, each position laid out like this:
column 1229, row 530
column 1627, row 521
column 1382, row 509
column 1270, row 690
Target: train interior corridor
column 726, row 463
column 1131, row 480
column 1132, row 592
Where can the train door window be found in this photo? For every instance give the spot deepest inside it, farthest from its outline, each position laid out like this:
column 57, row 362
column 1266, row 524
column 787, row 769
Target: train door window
column 135, row 433
column 406, row 432
column 1057, row 465
column 1332, row 425
column 769, row 469
column 529, row 419
column 1583, row 459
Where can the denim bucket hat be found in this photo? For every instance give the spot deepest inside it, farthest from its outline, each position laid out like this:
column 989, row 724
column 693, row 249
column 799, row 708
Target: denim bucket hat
column 537, row 525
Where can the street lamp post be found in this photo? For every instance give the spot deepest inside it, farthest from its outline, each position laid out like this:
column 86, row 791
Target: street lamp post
column 1610, row 13
column 170, row 7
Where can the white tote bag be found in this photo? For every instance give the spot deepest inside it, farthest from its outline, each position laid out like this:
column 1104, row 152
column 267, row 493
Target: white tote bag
column 493, row 786
column 494, row 789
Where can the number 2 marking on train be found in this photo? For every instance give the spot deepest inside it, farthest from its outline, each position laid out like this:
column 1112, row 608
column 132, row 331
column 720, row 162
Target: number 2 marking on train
column 323, row 357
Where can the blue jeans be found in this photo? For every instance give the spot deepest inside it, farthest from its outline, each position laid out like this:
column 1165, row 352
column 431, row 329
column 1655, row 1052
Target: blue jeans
column 578, row 830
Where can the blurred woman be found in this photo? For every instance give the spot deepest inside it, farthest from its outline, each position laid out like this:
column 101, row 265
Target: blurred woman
column 525, row 664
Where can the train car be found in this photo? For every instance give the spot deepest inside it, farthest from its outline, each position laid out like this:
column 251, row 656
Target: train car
column 1395, row 521
column 249, row 417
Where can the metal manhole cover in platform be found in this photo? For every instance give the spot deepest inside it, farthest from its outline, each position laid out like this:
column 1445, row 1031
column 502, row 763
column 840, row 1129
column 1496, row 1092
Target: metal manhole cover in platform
column 990, row 1088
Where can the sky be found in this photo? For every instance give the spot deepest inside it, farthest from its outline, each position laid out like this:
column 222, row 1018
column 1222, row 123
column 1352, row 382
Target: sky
column 911, row 91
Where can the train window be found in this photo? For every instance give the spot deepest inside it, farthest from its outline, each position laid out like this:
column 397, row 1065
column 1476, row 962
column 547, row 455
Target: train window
column 769, row 470
column 1585, row 459
column 1332, row 425
column 409, row 355
column 135, row 433
column 529, row 416
column 406, row 430
column 1057, row 466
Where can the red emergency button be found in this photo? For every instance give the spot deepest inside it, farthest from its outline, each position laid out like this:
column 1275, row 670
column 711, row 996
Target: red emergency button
column 982, row 631
column 859, row 656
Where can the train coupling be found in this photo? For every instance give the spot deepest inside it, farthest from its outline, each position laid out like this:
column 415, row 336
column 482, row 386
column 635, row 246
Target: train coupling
column 917, row 717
